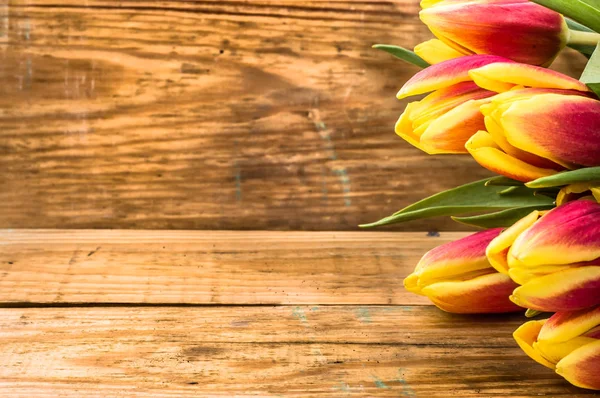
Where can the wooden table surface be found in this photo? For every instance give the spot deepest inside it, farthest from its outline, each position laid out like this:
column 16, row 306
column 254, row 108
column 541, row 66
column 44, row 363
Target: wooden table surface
column 206, row 313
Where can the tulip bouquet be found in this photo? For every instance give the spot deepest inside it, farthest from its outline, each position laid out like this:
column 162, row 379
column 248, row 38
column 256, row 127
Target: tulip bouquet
column 489, row 94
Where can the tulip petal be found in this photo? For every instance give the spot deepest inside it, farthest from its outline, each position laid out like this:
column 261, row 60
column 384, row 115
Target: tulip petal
column 575, row 191
column 567, row 325
column 489, row 155
column 454, row 259
column 531, row 125
column 435, row 51
column 457, row 122
column 484, row 294
column 523, row 275
column 554, row 351
column 582, row 366
column 493, row 116
column 429, row 3
column 593, row 333
column 571, row 289
column 446, row 74
column 565, row 235
column 404, row 126
column 526, row 335
column 450, row 132
column 497, row 250
column 444, row 100
column 481, row 26
column 596, row 193
column 496, row 76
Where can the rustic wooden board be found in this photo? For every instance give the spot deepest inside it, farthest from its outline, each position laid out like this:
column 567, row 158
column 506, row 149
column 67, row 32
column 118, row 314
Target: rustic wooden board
column 140, row 313
column 211, row 115
column 266, row 351
column 210, row 267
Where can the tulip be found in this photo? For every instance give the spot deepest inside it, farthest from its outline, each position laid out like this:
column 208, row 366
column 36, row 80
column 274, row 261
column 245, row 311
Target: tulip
column 523, row 140
column 458, row 278
column 581, row 190
column 568, row 342
column 435, row 51
column 447, row 118
column 444, row 121
column 519, row 30
column 489, row 72
column 554, row 256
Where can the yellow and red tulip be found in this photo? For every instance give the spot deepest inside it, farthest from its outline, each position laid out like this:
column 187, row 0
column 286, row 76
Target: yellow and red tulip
column 444, row 121
column 568, row 342
column 447, row 118
column 489, row 72
column 523, row 140
column 555, row 257
column 458, row 278
column 581, row 190
column 515, row 29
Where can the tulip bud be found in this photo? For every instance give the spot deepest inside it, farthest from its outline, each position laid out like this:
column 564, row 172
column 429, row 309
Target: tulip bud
column 457, row 277
column 519, row 30
column 568, row 342
column 523, row 141
column 555, row 257
column 447, row 118
column 444, row 121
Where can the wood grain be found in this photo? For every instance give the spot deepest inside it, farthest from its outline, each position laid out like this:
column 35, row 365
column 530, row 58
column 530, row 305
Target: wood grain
column 210, row 267
column 140, row 314
column 267, row 351
column 211, row 115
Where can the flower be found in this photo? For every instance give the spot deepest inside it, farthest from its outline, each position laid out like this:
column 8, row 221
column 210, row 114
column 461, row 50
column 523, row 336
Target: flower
column 435, row 51
column 568, row 342
column 447, row 118
column 519, row 30
column 523, row 139
column 555, row 257
column 580, row 190
column 457, row 277
column 444, row 121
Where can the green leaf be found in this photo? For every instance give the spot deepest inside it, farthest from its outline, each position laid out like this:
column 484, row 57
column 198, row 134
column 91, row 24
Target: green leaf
column 588, row 174
column 503, row 218
column 578, row 10
column 403, row 54
column 591, row 73
column 584, row 49
column 469, row 198
column 593, row 3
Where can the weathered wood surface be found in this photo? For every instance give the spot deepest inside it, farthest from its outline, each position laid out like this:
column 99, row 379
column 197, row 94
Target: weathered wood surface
column 61, row 333
column 214, row 267
column 329, row 351
column 210, row 115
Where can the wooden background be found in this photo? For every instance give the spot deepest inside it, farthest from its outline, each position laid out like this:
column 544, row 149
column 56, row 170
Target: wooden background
column 211, row 115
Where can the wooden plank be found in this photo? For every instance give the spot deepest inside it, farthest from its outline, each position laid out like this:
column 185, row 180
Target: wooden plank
column 266, row 351
column 211, row 115
column 209, row 267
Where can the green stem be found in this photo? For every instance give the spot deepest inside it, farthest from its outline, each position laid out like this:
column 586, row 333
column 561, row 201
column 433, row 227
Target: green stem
column 583, row 38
